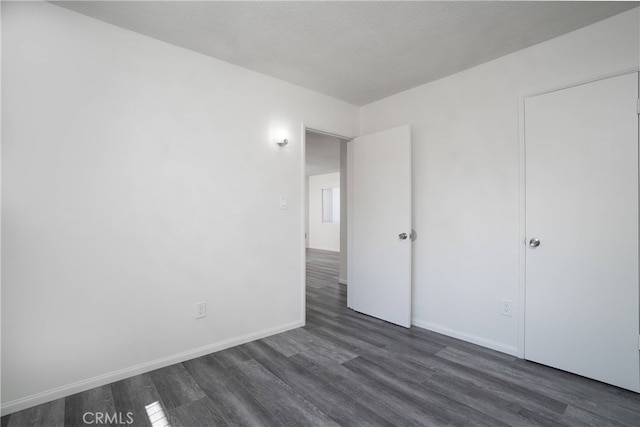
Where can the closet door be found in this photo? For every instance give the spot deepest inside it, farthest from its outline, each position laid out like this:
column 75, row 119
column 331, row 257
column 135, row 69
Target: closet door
column 581, row 310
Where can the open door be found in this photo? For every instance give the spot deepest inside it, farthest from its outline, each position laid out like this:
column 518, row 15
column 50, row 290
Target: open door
column 379, row 224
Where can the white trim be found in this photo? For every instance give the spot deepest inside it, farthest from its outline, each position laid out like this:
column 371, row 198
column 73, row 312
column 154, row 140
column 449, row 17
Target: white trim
column 579, row 81
column 324, row 249
column 321, row 132
column 349, row 191
column 522, row 188
column 305, row 214
column 521, row 294
column 0, row 208
column 474, row 339
column 100, row 380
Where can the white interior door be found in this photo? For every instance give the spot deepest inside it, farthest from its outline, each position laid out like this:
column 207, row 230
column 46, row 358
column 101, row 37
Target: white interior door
column 581, row 310
column 379, row 225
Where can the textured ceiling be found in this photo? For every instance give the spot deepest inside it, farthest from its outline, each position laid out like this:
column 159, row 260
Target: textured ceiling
column 355, row 51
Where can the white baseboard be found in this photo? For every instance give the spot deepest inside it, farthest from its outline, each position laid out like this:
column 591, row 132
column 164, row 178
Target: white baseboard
column 100, row 380
column 474, row 339
column 324, row 249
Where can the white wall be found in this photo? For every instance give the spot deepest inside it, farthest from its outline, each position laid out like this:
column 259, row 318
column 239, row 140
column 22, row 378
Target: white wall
column 139, row 178
column 466, row 174
column 324, row 236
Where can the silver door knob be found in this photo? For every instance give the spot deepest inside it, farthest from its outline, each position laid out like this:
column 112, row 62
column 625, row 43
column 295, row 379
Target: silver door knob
column 534, row 243
column 402, row 236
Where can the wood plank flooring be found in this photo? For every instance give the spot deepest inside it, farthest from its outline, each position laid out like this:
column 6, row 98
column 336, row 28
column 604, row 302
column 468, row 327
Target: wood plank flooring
column 345, row 368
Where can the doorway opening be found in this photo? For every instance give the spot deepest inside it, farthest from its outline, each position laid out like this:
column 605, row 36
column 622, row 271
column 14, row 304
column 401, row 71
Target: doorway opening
column 325, row 219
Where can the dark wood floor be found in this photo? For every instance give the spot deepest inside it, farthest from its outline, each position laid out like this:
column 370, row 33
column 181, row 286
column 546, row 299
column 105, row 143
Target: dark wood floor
column 345, row 368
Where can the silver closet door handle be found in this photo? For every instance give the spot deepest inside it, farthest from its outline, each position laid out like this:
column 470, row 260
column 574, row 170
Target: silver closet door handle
column 402, row 236
column 534, row 243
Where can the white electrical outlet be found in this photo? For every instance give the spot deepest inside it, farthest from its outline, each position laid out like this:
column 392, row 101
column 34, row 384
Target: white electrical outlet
column 201, row 310
column 505, row 307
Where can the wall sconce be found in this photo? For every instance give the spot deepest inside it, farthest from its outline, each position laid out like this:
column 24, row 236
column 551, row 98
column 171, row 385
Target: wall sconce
column 279, row 135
